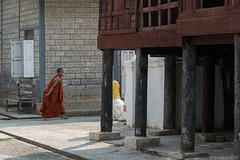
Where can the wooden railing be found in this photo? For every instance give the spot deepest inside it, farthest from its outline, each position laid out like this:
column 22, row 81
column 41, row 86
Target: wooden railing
column 117, row 16
column 158, row 14
column 124, row 16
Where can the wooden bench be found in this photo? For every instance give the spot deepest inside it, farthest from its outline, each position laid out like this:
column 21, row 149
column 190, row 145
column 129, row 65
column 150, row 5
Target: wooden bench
column 23, row 94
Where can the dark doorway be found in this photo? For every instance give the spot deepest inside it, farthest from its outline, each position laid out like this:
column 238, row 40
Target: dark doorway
column 212, row 3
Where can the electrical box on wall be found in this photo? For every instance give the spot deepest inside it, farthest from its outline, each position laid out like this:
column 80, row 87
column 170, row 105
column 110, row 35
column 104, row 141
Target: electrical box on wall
column 22, row 58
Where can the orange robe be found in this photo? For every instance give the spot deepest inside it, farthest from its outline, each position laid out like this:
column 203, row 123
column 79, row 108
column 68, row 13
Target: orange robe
column 52, row 105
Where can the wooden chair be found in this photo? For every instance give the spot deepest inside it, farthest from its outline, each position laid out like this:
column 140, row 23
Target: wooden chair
column 24, row 94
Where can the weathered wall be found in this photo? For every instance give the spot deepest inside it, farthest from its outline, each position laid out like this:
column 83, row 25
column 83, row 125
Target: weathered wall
column 17, row 17
column 71, row 28
column 30, row 19
column 10, row 33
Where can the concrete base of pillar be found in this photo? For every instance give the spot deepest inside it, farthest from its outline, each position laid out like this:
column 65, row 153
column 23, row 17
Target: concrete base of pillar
column 163, row 132
column 180, row 155
column 101, row 136
column 141, row 142
column 210, row 137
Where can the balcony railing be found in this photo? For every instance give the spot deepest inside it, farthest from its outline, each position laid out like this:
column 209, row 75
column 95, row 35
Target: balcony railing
column 121, row 16
column 117, row 16
column 158, row 14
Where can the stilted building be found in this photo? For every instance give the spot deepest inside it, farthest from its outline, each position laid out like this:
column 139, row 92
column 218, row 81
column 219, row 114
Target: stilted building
column 195, row 31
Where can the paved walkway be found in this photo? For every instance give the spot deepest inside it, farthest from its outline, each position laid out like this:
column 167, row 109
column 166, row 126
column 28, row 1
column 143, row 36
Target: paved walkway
column 12, row 113
column 24, row 151
column 72, row 136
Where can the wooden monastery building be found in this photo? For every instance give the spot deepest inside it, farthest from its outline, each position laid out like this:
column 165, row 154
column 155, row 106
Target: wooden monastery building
column 190, row 31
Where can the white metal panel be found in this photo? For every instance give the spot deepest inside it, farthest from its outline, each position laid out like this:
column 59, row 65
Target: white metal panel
column 28, row 55
column 16, row 59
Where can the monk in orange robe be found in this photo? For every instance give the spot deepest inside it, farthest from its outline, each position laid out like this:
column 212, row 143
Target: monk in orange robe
column 53, row 98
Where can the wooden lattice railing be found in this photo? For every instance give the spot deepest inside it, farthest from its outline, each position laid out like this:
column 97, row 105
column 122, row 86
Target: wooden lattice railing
column 117, row 16
column 121, row 16
column 158, row 14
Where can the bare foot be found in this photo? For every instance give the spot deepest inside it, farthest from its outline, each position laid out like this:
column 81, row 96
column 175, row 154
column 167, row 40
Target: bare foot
column 64, row 117
column 45, row 119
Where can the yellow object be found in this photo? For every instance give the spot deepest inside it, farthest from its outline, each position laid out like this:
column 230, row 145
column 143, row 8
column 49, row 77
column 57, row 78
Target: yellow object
column 116, row 86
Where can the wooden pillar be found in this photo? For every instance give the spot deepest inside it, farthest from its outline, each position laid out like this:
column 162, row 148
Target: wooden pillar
column 115, row 59
column 141, row 93
column 169, row 93
column 237, row 95
column 208, row 94
column 228, row 90
column 107, row 78
column 188, row 98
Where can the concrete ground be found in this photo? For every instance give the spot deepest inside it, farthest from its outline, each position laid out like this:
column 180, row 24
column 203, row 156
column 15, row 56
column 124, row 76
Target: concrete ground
column 72, row 136
column 12, row 149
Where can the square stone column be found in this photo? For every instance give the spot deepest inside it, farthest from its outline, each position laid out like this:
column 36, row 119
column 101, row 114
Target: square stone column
column 188, row 97
column 169, row 93
column 107, row 102
column 107, row 78
column 141, row 93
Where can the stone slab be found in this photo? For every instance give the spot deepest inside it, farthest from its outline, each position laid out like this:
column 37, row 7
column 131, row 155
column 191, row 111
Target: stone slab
column 210, row 137
column 101, row 136
column 4, row 118
column 141, row 142
column 180, row 155
column 163, row 132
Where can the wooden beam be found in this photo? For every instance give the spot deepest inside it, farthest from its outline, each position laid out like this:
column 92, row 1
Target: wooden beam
column 159, row 14
column 212, row 39
column 149, row 15
column 144, row 39
column 210, row 12
column 138, row 18
column 209, row 25
column 107, row 77
column 188, row 97
column 155, row 8
column 106, row 10
column 208, row 94
column 169, row 93
column 228, row 90
column 141, row 94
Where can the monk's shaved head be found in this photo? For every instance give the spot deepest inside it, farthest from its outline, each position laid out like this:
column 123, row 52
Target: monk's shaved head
column 59, row 70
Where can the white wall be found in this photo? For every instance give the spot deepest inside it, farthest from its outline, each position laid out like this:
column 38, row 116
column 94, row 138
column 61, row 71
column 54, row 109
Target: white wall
column 155, row 100
column 156, row 94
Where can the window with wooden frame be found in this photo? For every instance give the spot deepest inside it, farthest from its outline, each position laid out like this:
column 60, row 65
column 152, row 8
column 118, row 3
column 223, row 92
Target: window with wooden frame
column 29, row 34
column 209, row 3
column 157, row 13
